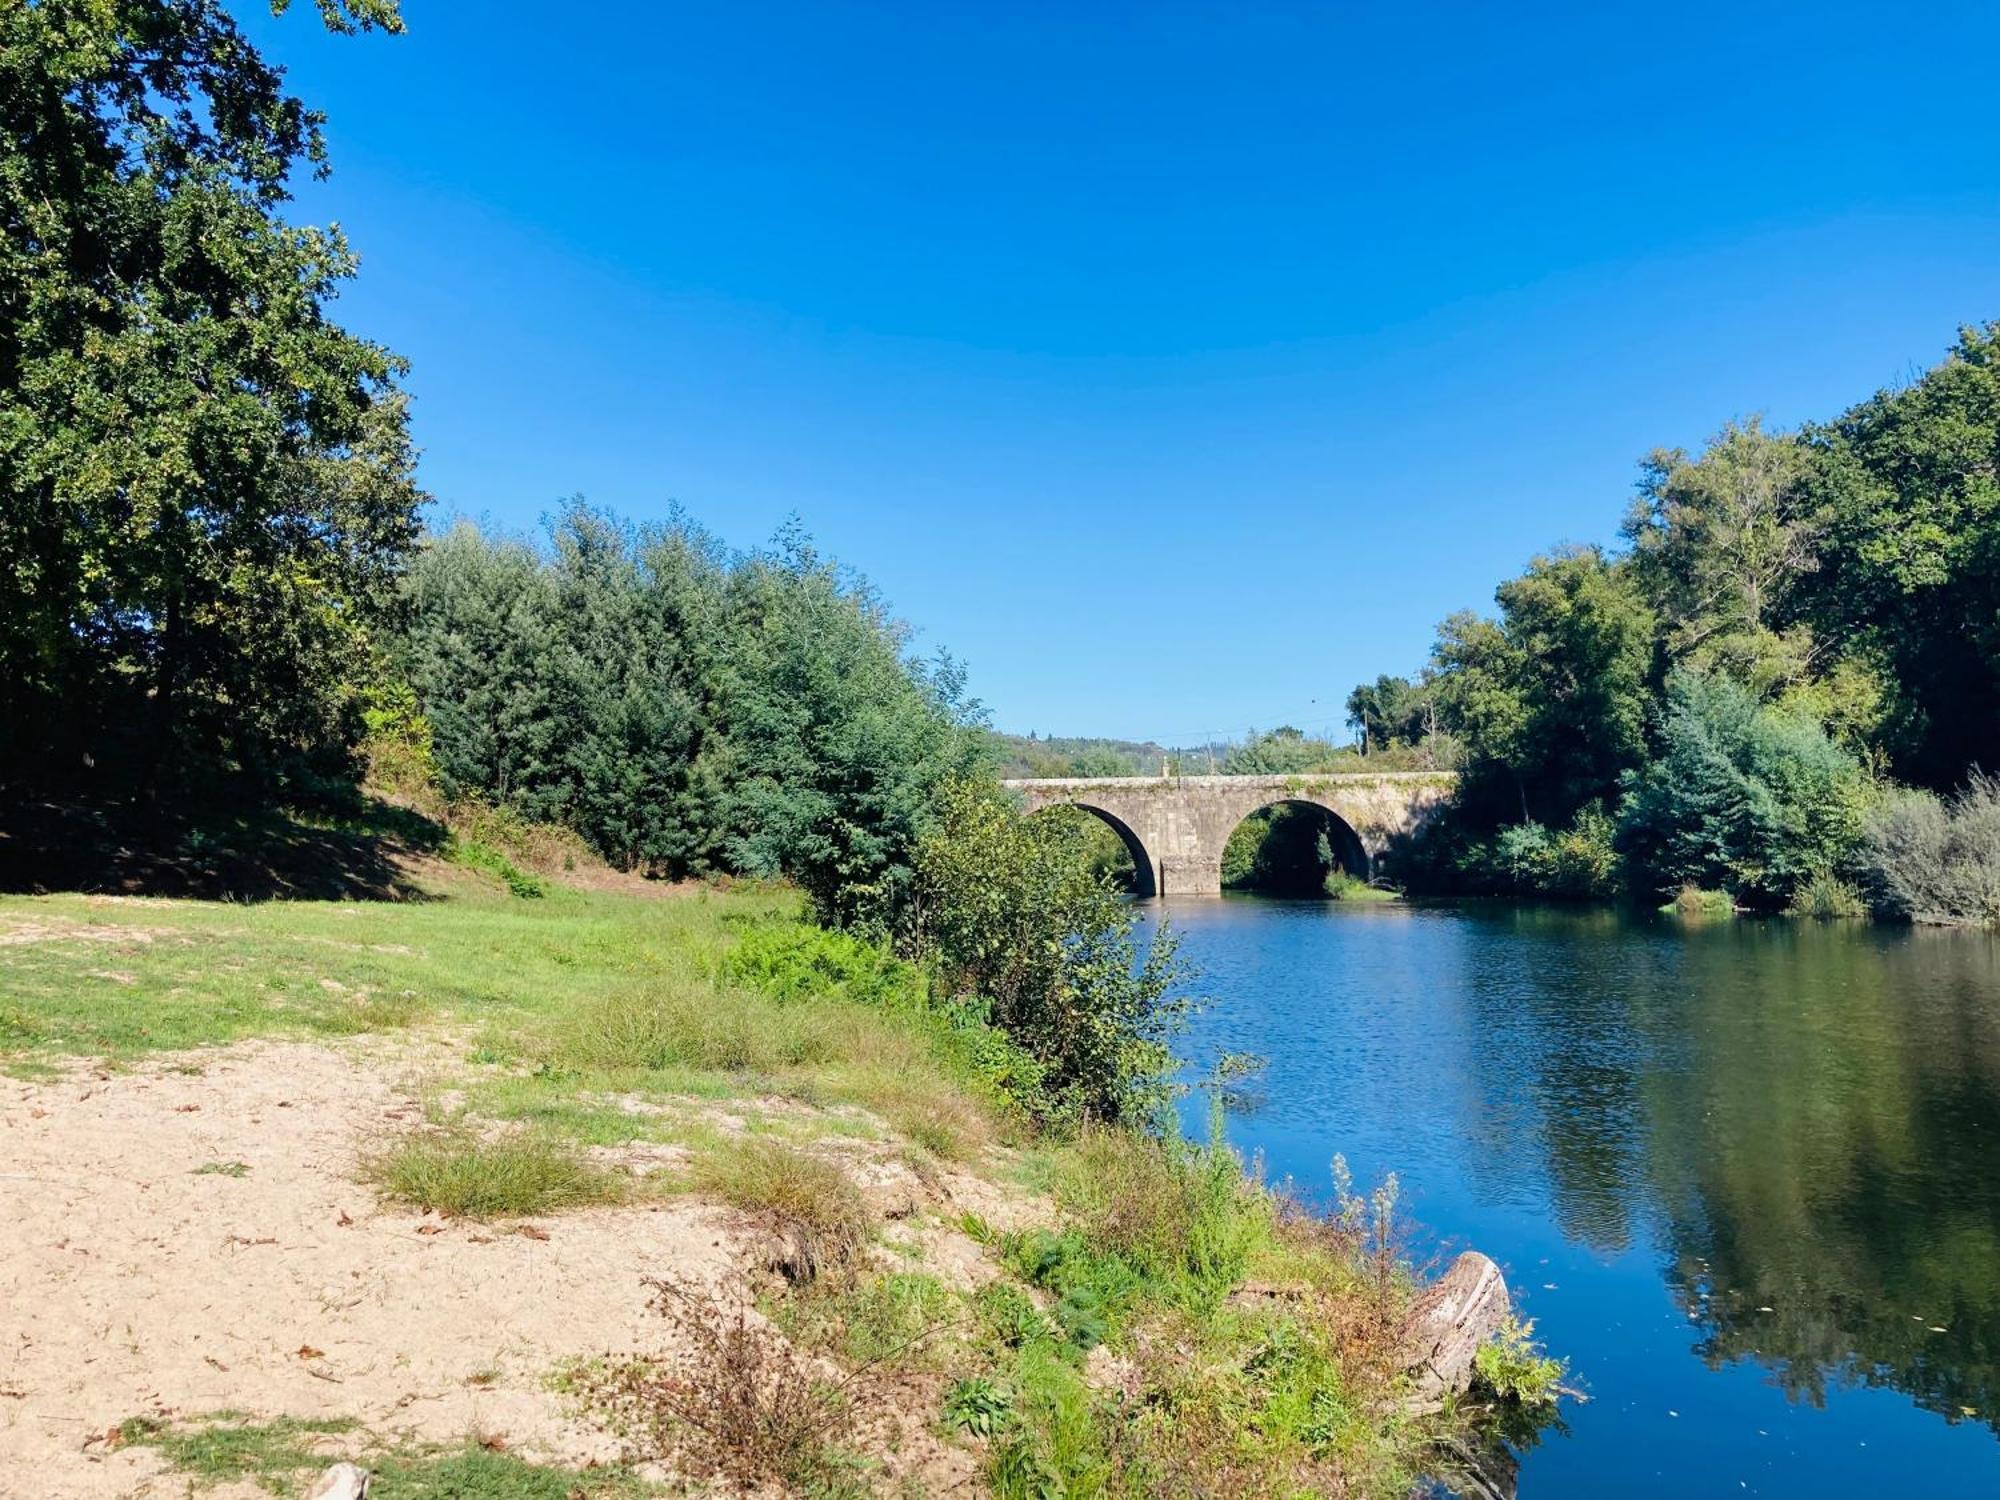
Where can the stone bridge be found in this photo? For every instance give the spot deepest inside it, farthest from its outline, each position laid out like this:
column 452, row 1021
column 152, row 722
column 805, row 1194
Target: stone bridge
column 1176, row 826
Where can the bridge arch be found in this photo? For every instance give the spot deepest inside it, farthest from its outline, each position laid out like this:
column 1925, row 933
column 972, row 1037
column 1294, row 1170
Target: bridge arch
column 1145, row 870
column 1350, row 854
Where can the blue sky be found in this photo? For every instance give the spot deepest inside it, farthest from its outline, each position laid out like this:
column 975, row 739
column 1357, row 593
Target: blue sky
column 1173, row 366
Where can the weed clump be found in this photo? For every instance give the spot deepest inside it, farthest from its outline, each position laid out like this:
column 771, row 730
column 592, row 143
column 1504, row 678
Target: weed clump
column 1512, row 1367
column 455, row 1172
column 894, row 1320
column 815, row 1207
column 1693, row 902
column 740, row 1403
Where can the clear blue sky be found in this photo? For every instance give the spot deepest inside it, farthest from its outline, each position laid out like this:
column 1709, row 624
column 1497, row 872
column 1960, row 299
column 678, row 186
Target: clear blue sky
column 1174, row 366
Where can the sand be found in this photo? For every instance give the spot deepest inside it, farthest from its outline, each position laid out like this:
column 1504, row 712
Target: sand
column 133, row 1284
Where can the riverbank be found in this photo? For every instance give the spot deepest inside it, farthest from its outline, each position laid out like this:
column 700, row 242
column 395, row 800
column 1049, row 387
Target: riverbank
column 524, row 1193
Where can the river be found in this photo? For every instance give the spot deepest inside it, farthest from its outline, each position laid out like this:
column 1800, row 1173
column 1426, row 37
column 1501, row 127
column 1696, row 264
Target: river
column 1744, row 1176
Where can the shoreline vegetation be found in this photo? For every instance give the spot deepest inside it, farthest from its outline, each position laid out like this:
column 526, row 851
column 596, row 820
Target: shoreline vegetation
column 944, row 1258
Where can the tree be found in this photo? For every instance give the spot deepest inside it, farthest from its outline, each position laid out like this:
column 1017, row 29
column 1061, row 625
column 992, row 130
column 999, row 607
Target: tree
column 205, row 484
column 1284, row 751
column 1551, row 698
column 838, row 744
column 1390, row 711
column 1720, row 543
column 685, row 710
column 1746, row 796
column 1910, row 561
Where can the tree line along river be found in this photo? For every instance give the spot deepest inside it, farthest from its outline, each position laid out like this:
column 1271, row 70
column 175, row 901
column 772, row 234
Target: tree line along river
column 1742, row 1175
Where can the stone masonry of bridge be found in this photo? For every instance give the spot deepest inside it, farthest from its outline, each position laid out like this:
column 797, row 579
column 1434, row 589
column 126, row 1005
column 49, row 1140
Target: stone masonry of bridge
column 1176, row 826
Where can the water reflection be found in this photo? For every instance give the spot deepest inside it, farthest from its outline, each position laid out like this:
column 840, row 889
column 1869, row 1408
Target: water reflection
column 1788, row 1130
column 1825, row 1164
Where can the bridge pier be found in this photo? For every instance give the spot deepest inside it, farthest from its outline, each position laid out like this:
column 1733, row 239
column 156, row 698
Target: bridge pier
column 1190, row 875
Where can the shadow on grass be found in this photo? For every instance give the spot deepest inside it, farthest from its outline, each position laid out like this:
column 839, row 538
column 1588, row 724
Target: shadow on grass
column 210, row 852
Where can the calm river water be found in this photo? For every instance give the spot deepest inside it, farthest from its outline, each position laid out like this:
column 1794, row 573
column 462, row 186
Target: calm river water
column 1744, row 1176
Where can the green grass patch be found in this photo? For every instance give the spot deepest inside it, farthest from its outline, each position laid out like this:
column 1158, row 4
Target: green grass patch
column 280, row 1456
column 812, row 1202
column 473, row 854
column 451, row 1170
column 227, row 1448
column 905, row 1319
column 120, row 978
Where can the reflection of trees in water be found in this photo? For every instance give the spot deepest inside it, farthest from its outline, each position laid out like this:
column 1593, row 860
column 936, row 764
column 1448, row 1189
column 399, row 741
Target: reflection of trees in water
column 1811, row 1114
column 1841, row 1172
column 1562, row 1061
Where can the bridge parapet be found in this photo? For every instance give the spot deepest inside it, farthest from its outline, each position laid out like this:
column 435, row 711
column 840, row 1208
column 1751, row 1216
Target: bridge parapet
column 1177, row 826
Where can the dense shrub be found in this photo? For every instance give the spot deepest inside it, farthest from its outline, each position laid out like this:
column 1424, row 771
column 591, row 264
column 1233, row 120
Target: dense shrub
column 1925, row 860
column 1577, row 863
column 1007, row 909
column 1746, row 796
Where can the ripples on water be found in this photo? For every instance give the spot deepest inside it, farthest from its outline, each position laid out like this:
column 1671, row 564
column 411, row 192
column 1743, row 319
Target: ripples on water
column 1743, row 1175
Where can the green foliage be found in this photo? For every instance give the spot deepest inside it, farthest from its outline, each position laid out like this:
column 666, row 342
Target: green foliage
column 1392, row 711
column 1577, row 863
column 1032, row 755
column 976, row 1405
column 1693, row 902
column 890, row 1321
column 1186, row 1218
column 1720, row 543
column 1511, row 1366
column 1748, row 796
column 205, row 484
column 1826, row 897
column 1908, row 568
column 1289, row 849
column 1550, row 700
column 1847, row 575
column 1283, row 751
column 475, row 855
column 799, row 961
column 684, row 710
column 1109, row 857
column 1007, row 909
column 1012, row 1316
column 1924, row 860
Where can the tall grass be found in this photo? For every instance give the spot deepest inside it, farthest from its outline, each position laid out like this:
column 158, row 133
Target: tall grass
column 815, row 1207
column 514, row 1174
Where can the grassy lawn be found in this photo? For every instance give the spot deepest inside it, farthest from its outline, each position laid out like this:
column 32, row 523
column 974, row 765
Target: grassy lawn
column 118, row 978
